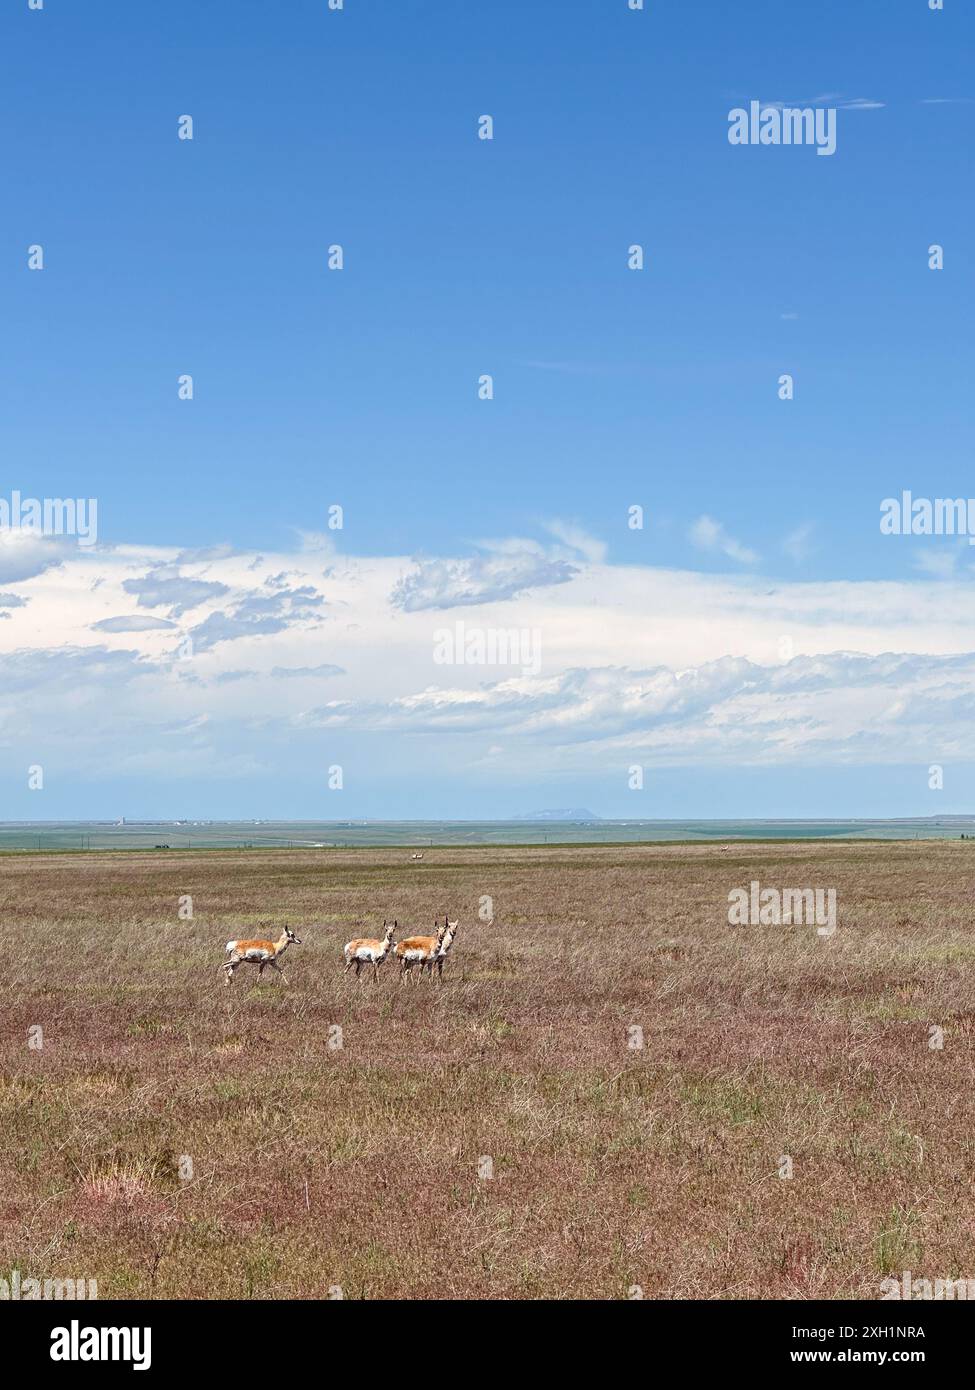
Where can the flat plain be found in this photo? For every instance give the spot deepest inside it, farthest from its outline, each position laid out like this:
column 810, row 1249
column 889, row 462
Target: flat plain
column 606, row 1093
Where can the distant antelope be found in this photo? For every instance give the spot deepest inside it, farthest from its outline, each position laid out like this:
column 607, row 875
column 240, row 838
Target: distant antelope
column 366, row 950
column 259, row 953
column 418, row 950
column 441, row 954
column 416, row 856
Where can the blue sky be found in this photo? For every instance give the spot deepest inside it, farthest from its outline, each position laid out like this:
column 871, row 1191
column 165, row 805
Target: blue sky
column 506, row 257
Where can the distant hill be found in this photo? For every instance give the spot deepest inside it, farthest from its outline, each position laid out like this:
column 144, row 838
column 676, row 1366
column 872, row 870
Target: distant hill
column 575, row 813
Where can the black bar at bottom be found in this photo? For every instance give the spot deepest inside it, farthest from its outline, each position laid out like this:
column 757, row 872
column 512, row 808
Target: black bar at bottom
column 162, row 1339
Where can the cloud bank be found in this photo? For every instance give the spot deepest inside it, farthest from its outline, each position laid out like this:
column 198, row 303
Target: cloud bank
column 252, row 664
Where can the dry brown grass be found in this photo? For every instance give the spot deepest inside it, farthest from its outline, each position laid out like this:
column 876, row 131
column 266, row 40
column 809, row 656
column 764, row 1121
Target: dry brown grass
column 613, row 1167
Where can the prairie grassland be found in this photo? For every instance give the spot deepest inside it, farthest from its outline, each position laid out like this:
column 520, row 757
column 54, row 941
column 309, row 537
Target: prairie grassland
column 614, row 1166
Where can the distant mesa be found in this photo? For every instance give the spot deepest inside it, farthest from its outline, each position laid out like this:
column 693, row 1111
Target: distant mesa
column 574, row 813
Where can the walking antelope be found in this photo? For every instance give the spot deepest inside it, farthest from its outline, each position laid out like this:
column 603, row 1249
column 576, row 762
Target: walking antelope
column 366, row 950
column 259, row 953
column 418, row 950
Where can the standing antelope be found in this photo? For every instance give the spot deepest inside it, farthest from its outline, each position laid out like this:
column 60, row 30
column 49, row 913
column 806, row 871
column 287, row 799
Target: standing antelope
column 259, row 953
column 366, row 950
column 445, row 945
column 418, row 950
column 445, row 936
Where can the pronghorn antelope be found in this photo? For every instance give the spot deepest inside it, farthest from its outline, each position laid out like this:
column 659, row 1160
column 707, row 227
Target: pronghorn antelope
column 366, row 950
column 418, row 950
column 259, row 953
column 445, row 935
column 445, row 945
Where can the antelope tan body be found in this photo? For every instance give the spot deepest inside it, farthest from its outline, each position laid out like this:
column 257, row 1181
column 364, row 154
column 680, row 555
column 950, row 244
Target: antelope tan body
column 259, row 952
column 441, row 953
column 422, row 950
column 366, row 950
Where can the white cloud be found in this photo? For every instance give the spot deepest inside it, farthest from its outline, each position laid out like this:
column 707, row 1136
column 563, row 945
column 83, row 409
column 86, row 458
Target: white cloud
column 306, row 672
column 24, row 555
column 827, row 99
column 845, row 707
column 200, row 556
column 676, row 665
column 708, row 534
column 502, row 570
column 316, row 542
column 578, row 540
column 943, row 563
column 798, row 543
column 166, row 587
column 487, row 578
column 135, row 623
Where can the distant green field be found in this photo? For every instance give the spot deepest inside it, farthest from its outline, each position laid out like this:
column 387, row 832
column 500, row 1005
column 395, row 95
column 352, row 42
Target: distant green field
column 85, row 835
